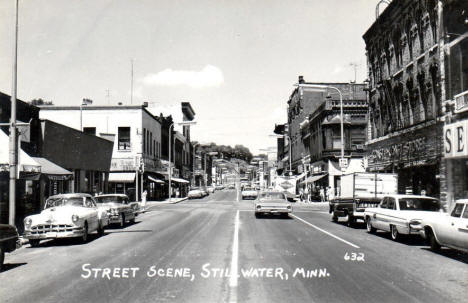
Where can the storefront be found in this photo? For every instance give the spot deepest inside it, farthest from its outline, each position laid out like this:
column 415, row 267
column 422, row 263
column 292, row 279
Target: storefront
column 415, row 156
column 456, row 159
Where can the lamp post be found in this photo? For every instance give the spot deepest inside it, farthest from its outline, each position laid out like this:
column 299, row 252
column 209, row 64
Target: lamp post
column 324, row 88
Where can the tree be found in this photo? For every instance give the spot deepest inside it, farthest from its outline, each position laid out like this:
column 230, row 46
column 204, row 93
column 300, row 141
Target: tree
column 40, row 101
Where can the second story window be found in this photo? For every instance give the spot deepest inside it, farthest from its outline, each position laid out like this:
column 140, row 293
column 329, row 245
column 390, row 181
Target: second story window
column 124, row 138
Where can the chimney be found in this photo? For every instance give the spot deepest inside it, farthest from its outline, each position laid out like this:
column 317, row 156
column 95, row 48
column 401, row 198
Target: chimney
column 301, row 80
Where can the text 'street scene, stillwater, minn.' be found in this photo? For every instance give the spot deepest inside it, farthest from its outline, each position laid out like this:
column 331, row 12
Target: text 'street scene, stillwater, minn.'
column 234, row 151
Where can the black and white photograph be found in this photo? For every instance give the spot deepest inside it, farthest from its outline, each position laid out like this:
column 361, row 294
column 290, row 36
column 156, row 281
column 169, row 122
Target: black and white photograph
column 233, row 151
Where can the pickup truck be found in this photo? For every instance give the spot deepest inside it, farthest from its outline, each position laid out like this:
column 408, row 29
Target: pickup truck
column 9, row 241
column 360, row 191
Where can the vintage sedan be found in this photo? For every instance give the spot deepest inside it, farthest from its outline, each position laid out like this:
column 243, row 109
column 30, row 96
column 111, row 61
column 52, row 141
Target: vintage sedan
column 9, row 241
column 249, row 193
column 444, row 229
column 66, row 216
column 195, row 194
column 400, row 214
column 272, row 202
column 118, row 207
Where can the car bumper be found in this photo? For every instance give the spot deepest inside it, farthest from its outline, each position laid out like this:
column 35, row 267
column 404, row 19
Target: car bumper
column 75, row 232
column 272, row 210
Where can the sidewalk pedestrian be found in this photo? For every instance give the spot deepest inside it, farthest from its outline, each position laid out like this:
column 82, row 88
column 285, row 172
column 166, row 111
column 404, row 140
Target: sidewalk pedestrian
column 143, row 200
column 306, row 193
column 322, row 194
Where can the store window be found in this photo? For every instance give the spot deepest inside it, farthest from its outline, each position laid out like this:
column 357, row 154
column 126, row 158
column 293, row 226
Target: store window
column 124, row 138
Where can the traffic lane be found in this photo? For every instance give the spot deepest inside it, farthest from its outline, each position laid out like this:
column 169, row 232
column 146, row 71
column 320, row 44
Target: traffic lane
column 446, row 272
column 297, row 247
column 183, row 238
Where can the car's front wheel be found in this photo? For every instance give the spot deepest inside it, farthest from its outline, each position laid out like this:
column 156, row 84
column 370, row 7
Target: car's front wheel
column 334, row 217
column 370, row 228
column 100, row 230
column 84, row 237
column 34, row 242
column 122, row 220
column 432, row 240
column 2, row 258
column 394, row 233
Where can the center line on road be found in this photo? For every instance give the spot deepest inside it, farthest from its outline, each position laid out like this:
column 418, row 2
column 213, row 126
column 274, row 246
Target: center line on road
column 234, row 261
column 324, row 231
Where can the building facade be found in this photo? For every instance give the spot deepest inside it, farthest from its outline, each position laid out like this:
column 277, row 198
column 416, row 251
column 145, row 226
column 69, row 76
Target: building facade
column 137, row 143
column 322, row 130
column 405, row 93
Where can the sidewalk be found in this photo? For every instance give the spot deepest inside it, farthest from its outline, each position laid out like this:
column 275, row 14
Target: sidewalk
column 173, row 201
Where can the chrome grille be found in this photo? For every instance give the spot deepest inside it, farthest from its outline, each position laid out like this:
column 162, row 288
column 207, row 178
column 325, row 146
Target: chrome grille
column 45, row 228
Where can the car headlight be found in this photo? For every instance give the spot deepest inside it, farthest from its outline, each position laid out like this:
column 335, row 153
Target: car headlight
column 27, row 222
column 75, row 218
column 288, row 207
column 259, row 206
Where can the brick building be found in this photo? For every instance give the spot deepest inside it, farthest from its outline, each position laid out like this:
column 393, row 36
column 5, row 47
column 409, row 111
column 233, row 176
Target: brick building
column 405, row 93
column 322, row 130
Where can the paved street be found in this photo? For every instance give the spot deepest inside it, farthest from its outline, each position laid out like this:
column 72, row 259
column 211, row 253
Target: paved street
column 188, row 252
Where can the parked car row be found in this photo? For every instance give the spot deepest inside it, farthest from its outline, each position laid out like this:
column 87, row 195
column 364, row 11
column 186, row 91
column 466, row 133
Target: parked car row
column 77, row 215
column 420, row 216
column 201, row 192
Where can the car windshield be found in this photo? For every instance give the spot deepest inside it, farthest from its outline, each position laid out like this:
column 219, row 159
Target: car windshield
column 273, row 196
column 419, row 204
column 109, row 199
column 61, row 201
column 248, row 188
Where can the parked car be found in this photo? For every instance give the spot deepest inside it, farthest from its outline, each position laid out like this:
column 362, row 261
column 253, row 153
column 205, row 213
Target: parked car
column 9, row 241
column 195, row 194
column 66, row 216
column 231, row 186
column 249, row 193
column 444, row 229
column 219, row 187
column 272, row 202
column 204, row 191
column 118, row 207
column 211, row 189
column 399, row 214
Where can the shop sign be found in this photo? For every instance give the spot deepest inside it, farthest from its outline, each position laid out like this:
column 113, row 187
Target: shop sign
column 399, row 151
column 455, row 139
column 118, row 164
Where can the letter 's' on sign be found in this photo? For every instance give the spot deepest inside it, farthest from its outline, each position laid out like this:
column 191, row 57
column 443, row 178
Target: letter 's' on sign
column 455, row 139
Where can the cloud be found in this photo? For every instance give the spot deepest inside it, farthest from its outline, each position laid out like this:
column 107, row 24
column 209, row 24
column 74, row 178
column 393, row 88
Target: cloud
column 209, row 76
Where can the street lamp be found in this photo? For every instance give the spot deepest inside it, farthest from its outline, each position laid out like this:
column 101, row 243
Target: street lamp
column 324, row 88
column 170, row 151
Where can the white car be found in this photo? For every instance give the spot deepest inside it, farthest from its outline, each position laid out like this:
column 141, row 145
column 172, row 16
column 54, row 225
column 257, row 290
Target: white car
column 66, row 216
column 195, row 194
column 450, row 230
column 249, row 193
column 401, row 214
column 272, row 202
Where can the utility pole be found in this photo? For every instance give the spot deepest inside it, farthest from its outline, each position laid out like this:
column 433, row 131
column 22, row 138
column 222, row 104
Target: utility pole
column 131, row 85
column 13, row 142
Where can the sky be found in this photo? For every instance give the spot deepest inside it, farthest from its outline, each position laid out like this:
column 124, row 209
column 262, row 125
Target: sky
column 235, row 61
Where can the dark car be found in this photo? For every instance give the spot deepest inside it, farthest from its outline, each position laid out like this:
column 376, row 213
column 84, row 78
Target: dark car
column 9, row 241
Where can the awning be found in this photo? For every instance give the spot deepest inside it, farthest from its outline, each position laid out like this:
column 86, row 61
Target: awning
column 314, row 178
column 122, row 177
column 25, row 162
column 52, row 170
column 179, row 180
column 155, row 180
